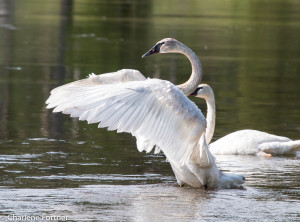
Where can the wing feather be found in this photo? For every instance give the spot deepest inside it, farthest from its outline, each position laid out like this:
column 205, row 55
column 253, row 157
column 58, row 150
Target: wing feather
column 155, row 111
column 123, row 75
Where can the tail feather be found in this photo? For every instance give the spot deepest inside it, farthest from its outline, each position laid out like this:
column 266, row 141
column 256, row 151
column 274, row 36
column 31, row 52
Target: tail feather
column 295, row 145
column 281, row 148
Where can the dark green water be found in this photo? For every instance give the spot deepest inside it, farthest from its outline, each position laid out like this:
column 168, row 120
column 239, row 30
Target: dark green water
column 51, row 164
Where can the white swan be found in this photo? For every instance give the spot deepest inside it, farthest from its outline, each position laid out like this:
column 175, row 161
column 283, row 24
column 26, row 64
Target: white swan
column 247, row 142
column 153, row 110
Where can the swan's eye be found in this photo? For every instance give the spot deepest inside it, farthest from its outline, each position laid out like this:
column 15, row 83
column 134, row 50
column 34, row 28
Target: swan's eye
column 157, row 46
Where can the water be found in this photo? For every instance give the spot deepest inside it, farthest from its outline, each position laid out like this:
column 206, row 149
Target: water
column 53, row 165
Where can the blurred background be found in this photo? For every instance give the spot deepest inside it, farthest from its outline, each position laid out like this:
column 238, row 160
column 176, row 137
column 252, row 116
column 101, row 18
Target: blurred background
column 250, row 53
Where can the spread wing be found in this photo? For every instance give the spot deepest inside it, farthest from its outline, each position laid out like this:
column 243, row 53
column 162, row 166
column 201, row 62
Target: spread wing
column 154, row 110
column 123, row 75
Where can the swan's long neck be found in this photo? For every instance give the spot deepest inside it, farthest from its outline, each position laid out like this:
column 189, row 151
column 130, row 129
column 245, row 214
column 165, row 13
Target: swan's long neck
column 210, row 118
column 188, row 87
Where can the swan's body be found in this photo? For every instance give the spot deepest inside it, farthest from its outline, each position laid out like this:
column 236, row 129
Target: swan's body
column 254, row 142
column 155, row 111
column 243, row 142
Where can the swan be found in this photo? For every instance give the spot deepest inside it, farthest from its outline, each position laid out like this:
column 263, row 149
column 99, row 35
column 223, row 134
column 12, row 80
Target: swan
column 155, row 111
column 247, row 142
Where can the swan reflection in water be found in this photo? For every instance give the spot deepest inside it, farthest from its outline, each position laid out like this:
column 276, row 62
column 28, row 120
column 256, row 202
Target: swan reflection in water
column 242, row 142
column 155, row 111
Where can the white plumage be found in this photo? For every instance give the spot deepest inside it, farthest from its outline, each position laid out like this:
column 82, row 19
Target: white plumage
column 155, row 111
column 254, row 142
column 137, row 107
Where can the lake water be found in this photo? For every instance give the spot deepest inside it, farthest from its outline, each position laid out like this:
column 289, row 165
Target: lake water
column 54, row 165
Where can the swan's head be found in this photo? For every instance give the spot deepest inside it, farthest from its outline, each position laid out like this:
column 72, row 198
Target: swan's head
column 167, row 45
column 203, row 91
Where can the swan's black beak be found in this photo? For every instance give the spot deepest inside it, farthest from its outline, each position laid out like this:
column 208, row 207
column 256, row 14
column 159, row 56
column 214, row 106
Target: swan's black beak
column 154, row 50
column 195, row 92
column 150, row 52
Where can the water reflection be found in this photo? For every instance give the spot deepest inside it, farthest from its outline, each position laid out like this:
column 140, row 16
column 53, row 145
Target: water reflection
column 53, row 164
column 148, row 202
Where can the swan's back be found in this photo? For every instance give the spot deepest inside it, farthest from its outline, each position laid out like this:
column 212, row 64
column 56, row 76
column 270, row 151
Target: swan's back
column 245, row 142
